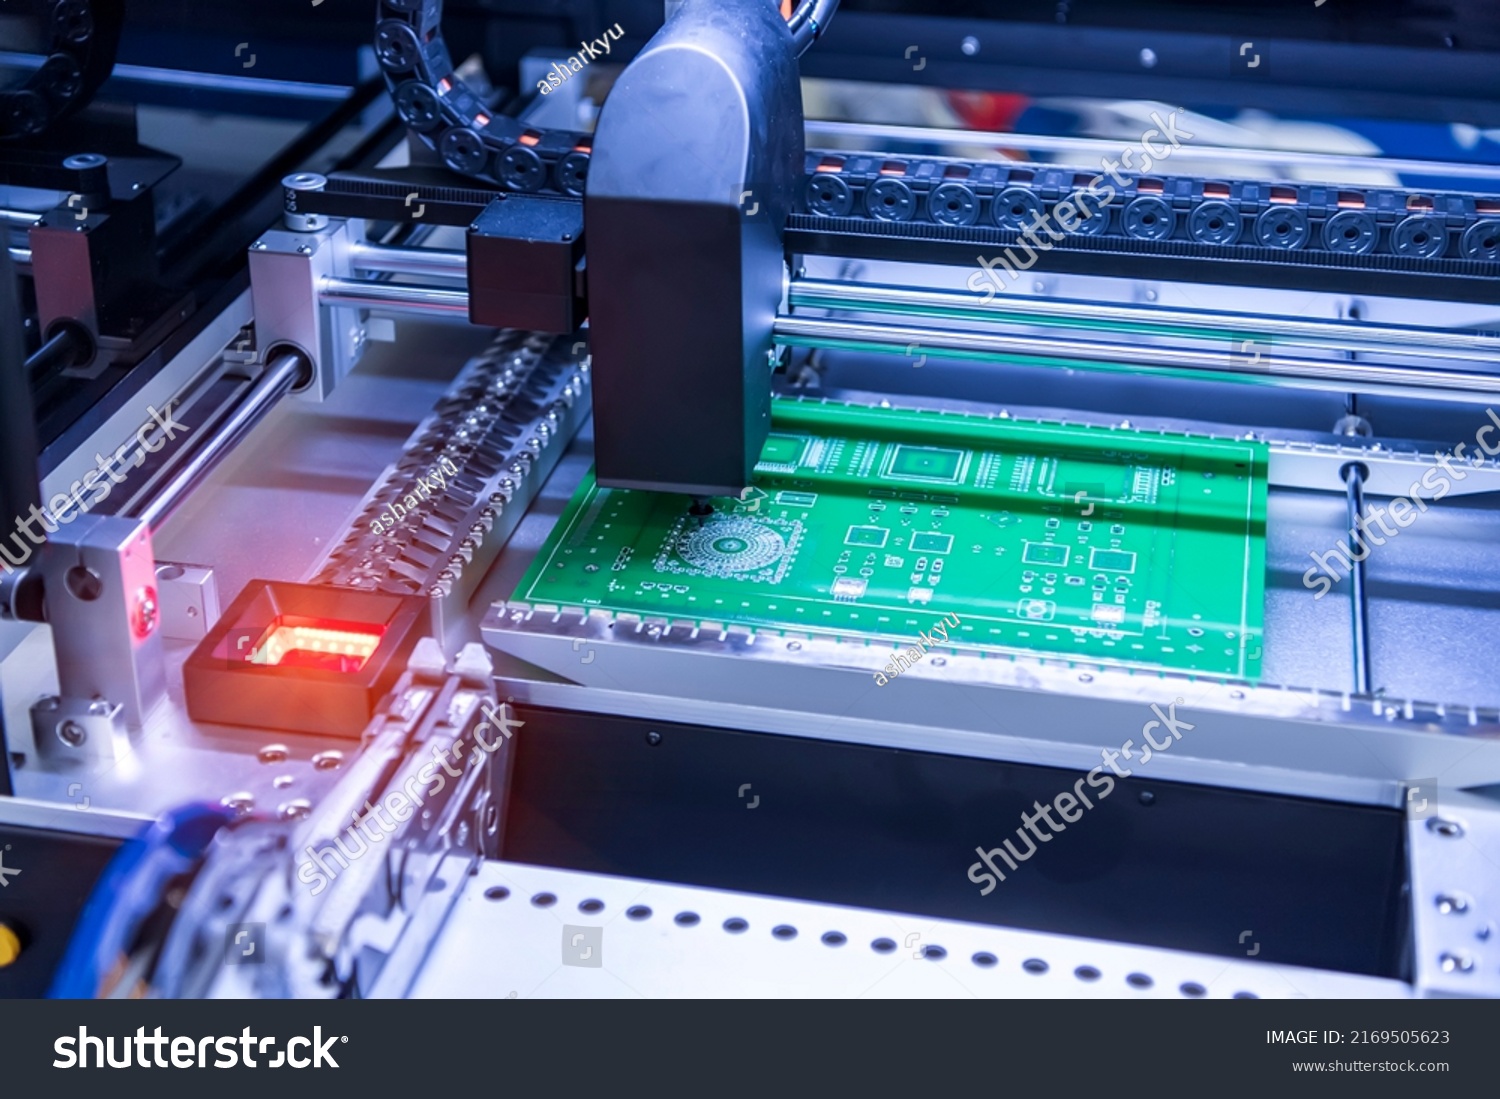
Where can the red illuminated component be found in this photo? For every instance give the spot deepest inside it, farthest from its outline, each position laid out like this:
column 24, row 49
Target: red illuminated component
column 303, row 657
column 295, row 641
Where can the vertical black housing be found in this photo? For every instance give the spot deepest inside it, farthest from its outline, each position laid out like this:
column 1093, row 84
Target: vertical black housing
column 696, row 159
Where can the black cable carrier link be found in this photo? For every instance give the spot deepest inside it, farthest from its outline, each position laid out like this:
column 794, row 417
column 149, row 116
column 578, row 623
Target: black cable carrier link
column 80, row 41
column 1449, row 233
column 450, row 119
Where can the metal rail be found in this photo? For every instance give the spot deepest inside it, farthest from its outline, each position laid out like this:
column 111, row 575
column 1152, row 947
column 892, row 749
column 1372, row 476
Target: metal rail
column 281, row 374
column 1428, row 342
column 1354, row 487
column 393, row 297
column 385, row 258
column 1340, row 376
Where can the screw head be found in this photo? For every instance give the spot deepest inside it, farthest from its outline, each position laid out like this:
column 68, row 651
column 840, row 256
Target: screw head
column 304, row 181
column 146, row 613
column 296, row 809
column 1449, row 829
column 1455, row 963
column 72, row 734
column 1450, row 904
column 653, row 738
column 1147, row 798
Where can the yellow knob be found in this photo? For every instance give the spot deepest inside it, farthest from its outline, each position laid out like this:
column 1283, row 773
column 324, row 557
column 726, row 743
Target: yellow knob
column 10, row 946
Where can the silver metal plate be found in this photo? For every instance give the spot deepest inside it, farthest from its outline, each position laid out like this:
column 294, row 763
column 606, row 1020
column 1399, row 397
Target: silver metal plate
column 518, row 948
column 1455, row 891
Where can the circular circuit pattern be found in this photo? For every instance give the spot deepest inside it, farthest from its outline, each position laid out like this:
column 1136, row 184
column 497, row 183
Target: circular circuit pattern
column 724, row 547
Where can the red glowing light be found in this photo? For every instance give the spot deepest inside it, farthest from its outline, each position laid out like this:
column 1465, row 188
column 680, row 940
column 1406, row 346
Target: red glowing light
column 297, row 641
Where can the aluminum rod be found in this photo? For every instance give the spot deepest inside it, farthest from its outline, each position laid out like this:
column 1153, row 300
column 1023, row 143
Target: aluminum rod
column 70, row 345
column 365, row 256
column 280, row 375
column 1440, row 343
column 1268, row 370
column 1259, row 155
column 394, row 297
column 1354, row 483
column 20, row 219
column 20, row 255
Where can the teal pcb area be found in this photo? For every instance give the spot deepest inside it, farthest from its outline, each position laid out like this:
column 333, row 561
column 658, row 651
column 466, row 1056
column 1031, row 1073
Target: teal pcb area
column 1101, row 544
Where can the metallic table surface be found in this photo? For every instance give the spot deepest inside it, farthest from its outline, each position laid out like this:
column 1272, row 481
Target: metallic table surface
column 518, row 948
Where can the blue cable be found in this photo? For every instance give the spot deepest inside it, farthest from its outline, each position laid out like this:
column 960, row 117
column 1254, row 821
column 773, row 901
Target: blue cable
column 128, row 891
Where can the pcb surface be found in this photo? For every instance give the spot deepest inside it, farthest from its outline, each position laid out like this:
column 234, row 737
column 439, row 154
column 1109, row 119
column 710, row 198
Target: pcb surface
column 1101, row 544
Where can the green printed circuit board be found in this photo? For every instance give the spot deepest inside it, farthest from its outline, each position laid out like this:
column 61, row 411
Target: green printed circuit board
column 1094, row 543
